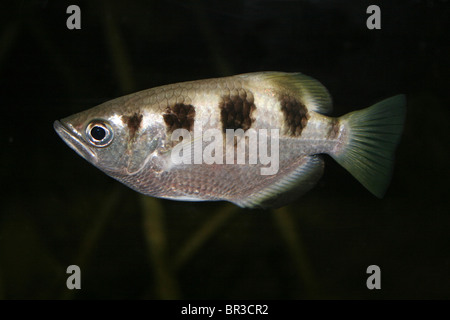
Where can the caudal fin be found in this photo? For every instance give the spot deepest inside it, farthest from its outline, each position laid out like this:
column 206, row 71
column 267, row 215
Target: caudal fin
column 373, row 135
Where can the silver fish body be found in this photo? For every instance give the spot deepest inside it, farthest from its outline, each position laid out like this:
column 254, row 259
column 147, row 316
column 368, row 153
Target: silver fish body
column 133, row 139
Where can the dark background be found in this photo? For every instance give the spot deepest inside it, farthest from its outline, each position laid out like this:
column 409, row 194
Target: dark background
column 57, row 210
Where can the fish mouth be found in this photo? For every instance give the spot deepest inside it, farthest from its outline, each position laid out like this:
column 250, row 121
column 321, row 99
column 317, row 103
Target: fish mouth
column 74, row 140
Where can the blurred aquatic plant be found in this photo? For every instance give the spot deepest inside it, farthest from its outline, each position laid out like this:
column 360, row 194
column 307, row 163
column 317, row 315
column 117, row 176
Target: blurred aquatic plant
column 93, row 234
column 297, row 251
column 155, row 234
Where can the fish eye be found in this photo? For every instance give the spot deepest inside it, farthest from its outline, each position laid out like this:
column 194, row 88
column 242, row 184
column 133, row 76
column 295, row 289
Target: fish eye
column 99, row 133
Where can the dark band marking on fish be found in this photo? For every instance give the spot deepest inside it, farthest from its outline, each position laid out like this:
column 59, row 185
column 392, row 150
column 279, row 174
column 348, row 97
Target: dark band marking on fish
column 333, row 132
column 236, row 111
column 179, row 116
column 295, row 115
column 133, row 123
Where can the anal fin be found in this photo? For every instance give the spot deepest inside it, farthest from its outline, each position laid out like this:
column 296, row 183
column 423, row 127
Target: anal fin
column 287, row 185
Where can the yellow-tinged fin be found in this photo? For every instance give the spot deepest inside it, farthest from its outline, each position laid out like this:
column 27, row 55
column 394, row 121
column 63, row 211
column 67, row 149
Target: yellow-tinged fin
column 313, row 94
column 373, row 135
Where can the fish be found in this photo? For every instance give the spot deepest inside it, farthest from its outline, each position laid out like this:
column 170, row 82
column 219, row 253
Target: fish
column 257, row 139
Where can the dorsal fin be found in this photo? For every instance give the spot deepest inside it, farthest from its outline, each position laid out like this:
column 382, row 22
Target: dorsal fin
column 313, row 94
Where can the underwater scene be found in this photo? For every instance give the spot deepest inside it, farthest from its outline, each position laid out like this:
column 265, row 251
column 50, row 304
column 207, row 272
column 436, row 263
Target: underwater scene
column 335, row 223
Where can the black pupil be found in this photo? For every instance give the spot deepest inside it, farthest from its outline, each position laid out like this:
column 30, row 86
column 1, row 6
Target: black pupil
column 98, row 133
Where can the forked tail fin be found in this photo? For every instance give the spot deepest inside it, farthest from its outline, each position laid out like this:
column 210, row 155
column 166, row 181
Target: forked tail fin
column 373, row 135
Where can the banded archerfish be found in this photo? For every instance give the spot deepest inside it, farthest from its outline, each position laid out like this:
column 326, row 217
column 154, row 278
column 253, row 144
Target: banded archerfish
column 182, row 141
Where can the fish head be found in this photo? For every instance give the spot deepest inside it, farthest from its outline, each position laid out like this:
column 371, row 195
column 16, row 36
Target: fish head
column 118, row 142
